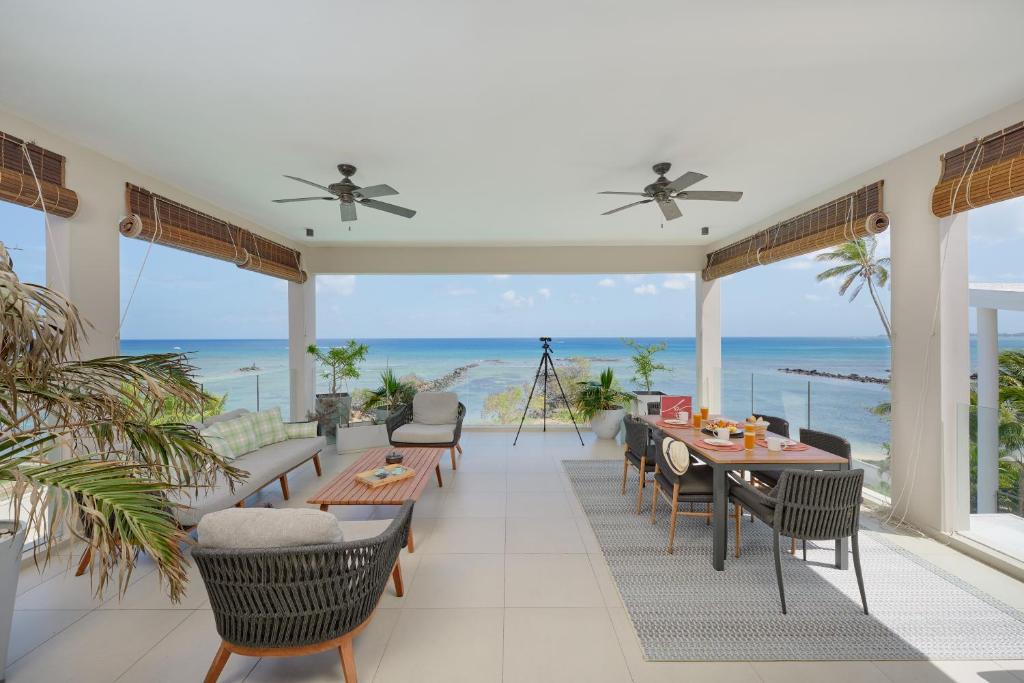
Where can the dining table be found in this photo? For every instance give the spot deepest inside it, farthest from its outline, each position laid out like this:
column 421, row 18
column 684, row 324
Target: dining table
column 759, row 458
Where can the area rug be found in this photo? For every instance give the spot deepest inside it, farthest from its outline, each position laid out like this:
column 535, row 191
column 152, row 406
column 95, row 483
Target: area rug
column 683, row 610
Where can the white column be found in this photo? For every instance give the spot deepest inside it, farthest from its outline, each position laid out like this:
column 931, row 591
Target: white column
column 709, row 344
column 988, row 407
column 301, row 333
column 930, row 359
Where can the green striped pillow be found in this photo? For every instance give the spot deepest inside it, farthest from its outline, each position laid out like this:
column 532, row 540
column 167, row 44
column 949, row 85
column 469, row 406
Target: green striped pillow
column 214, row 438
column 269, row 427
column 240, row 434
column 300, row 430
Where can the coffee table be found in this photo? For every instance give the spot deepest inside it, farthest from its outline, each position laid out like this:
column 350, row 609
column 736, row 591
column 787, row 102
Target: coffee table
column 344, row 489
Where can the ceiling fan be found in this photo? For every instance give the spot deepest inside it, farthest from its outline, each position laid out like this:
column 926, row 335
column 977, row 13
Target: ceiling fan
column 347, row 194
column 664, row 192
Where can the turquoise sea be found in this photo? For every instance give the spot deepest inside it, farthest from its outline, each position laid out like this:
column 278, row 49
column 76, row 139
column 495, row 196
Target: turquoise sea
column 752, row 382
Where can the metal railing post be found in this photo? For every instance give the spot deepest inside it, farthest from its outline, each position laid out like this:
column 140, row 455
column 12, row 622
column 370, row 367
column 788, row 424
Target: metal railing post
column 257, row 393
column 808, row 405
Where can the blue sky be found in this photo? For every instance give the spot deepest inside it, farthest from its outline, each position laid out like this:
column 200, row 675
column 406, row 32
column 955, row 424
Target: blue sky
column 184, row 296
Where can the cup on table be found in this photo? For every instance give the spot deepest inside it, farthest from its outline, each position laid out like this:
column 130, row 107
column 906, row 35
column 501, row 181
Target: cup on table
column 683, row 416
column 704, row 412
column 775, row 443
column 749, row 435
column 722, row 433
column 696, row 421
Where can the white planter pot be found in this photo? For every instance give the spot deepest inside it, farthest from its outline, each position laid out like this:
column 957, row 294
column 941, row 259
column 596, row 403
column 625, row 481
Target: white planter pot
column 361, row 437
column 11, row 545
column 606, row 423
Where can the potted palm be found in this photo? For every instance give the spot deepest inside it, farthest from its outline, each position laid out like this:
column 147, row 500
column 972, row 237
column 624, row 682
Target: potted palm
column 340, row 364
column 602, row 403
column 82, row 451
column 644, row 367
column 391, row 394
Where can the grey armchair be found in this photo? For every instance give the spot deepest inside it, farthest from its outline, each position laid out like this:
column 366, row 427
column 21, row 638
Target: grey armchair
column 283, row 602
column 434, row 420
column 813, row 506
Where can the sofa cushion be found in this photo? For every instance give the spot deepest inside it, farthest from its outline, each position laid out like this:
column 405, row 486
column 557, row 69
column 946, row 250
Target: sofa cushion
column 300, row 430
column 361, row 529
column 240, row 434
column 435, row 407
column 215, row 440
column 414, row 432
column 267, row 528
column 269, row 427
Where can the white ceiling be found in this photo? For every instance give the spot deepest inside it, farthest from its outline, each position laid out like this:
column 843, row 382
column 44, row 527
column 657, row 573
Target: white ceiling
column 499, row 121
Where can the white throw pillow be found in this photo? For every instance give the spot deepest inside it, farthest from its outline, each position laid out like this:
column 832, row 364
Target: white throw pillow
column 214, row 438
column 435, row 407
column 267, row 528
column 677, row 455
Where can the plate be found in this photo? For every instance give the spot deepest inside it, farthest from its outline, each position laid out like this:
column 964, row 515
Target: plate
column 718, row 442
column 734, row 435
column 677, row 423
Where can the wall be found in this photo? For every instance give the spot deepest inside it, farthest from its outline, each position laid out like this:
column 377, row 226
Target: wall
column 83, row 252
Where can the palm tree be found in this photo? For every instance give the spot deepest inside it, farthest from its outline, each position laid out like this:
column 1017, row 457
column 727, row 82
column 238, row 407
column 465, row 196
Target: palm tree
column 85, row 439
column 859, row 267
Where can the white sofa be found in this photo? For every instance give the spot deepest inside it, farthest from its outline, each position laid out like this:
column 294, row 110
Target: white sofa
column 265, row 466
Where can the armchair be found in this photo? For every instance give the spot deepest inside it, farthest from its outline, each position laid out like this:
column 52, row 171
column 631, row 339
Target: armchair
column 433, row 419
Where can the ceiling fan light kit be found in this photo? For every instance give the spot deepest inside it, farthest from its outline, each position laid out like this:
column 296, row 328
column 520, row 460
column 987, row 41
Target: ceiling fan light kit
column 348, row 194
column 665, row 192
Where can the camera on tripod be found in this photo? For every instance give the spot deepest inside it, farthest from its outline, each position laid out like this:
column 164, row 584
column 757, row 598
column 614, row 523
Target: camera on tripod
column 546, row 369
column 546, row 341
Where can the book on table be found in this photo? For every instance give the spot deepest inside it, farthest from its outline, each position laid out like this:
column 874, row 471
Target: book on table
column 387, row 474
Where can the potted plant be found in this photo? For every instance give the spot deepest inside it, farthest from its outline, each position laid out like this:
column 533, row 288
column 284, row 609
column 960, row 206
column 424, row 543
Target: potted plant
column 391, row 394
column 602, row 403
column 82, row 449
column 340, row 364
column 644, row 368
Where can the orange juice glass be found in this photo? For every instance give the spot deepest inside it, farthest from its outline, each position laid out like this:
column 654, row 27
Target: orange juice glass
column 703, row 413
column 749, row 433
column 696, row 420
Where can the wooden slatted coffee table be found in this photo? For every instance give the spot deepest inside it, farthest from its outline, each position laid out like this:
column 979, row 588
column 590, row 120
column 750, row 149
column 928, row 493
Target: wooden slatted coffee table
column 344, row 489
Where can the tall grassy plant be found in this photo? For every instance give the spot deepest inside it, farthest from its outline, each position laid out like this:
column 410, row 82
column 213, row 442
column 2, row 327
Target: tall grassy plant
column 604, row 394
column 391, row 393
column 85, row 438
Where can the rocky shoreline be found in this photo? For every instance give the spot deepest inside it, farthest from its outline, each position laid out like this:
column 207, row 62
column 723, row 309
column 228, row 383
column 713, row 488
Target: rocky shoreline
column 443, row 382
column 853, row 377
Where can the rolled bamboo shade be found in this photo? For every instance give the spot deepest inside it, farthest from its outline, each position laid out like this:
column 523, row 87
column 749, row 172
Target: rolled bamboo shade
column 185, row 228
column 983, row 172
column 18, row 185
column 858, row 214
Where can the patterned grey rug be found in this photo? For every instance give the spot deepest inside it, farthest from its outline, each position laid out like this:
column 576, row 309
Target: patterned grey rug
column 683, row 610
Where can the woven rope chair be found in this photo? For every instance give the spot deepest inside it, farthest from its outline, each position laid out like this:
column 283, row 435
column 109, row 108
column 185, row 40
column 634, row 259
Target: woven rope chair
column 403, row 415
column 812, row 506
column 776, row 425
column 283, row 602
column 639, row 454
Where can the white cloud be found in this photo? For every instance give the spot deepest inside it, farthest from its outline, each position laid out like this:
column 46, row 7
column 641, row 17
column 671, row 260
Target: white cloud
column 645, row 289
column 461, row 291
column 500, row 277
column 606, row 282
column 678, row 281
column 336, row 285
column 544, row 292
column 514, row 300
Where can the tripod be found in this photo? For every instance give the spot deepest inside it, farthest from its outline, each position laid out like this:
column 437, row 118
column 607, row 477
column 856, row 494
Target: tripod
column 546, row 365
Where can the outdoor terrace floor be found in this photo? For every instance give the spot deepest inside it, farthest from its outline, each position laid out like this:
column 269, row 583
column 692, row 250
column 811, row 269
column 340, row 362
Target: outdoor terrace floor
column 507, row 584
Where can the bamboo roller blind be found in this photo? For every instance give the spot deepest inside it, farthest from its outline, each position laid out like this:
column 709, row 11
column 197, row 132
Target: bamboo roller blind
column 185, row 228
column 18, row 185
column 983, row 172
column 858, row 214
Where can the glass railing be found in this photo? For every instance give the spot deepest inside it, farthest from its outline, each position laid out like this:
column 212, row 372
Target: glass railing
column 990, row 472
column 252, row 390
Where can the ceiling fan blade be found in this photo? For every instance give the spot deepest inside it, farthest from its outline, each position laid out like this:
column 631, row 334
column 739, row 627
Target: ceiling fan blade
column 670, row 209
column 711, row 195
column 642, row 201
column 631, row 194
column 348, row 211
column 309, row 182
column 300, row 199
column 374, row 191
column 685, row 180
column 390, row 208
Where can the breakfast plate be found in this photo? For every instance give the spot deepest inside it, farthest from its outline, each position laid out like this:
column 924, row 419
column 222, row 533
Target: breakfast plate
column 677, row 423
column 718, row 442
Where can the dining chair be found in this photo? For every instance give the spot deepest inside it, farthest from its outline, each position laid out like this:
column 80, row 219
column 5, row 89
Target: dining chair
column 639, row 454
column 776, row 425
column 809, row 505
column 680, row 482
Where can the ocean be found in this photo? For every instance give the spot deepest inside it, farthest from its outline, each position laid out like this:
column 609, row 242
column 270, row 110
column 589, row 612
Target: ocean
column 752, row 381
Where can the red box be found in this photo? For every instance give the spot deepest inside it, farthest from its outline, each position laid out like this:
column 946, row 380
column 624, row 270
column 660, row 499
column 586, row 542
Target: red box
column 671, row 406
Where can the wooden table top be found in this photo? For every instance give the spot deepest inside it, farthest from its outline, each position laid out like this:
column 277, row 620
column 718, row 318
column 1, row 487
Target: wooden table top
column 757, row 457
column 343, row 489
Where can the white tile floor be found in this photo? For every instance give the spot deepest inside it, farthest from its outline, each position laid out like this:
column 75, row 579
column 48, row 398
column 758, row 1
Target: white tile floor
column 507, row 584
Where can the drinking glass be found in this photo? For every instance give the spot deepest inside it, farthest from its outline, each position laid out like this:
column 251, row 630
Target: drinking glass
column 749, row 434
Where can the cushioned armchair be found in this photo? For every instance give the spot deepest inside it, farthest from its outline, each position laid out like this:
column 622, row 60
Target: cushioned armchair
column 298, row 600
column 434, row 419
